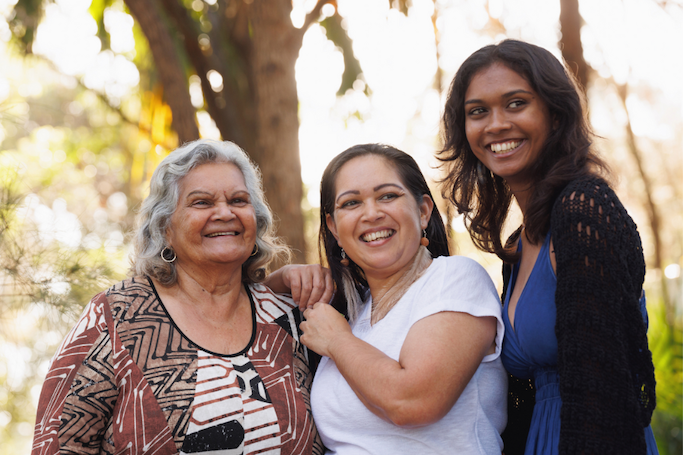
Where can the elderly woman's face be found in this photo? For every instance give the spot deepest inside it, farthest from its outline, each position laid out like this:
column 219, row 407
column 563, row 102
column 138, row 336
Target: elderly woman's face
column 214, row 221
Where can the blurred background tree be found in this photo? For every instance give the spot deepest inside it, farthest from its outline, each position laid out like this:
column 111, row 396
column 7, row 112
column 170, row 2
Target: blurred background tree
column 94, row 93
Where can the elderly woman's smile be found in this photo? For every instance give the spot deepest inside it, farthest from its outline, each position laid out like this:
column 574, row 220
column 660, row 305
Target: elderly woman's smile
column 218, row 234
column 214, row 219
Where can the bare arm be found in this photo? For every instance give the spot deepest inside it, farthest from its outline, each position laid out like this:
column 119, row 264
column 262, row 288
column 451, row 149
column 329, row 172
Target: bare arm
column 445, row 348
column 306, row 283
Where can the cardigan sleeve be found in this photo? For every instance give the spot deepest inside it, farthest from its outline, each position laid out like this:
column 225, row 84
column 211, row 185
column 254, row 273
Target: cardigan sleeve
column 605, row 367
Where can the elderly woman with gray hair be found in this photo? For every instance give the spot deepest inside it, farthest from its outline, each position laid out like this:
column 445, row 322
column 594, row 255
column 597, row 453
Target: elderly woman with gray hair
column 196, row 352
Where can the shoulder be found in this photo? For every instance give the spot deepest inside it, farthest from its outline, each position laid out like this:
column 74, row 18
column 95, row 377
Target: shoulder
column 592, row 202
column 127, row 297
column 589, row 223
column 134, row 285
column 460, row 268
column 271, row 306
column 586, row 195
column 460, row 284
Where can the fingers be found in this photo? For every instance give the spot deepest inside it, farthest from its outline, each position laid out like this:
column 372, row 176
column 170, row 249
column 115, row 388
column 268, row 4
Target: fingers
column 310, row 284
column 329, row 287
column 307, row 312
column 305, row 289
column 321, row 285
column 295, row 287
column 322, row 323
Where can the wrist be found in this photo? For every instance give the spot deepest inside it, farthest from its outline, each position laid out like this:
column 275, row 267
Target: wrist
column 340, row 343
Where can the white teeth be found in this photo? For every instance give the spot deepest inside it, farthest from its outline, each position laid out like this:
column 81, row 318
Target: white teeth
column 377, row 235
column 505, row 146
column 217, row 234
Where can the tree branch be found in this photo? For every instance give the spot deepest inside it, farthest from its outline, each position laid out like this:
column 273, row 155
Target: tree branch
column 650, row 205
column 170, row 68
column 314, row 15
column 570, row 43
column 225, row 116
column 105, row 100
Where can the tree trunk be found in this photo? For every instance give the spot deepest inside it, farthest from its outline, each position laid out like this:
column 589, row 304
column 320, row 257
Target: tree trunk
column 276, row 45
column 169, row 67
column 229, row 108
column 653, row 213
column 570, row 43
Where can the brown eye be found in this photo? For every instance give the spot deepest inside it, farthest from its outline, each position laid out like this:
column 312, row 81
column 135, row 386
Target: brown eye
column 388, row 197
column 349, row 204
column 517, row 103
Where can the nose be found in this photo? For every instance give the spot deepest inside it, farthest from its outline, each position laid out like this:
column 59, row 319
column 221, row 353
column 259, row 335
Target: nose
column 498, row 122
column 223, row 212
column 372, row 211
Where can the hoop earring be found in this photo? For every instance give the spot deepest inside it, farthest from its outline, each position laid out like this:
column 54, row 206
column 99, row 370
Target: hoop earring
column 165, row 255
column 255, row 251
column 424, row 241
column 344, row 260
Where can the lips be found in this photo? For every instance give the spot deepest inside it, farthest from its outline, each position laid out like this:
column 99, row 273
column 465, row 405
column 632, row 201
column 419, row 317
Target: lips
column 504, row 147
column 378, row 235
column 220, row 234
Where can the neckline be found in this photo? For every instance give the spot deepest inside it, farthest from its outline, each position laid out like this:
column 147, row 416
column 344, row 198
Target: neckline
column 219, row 354
column 513, row 279
column 368, row 301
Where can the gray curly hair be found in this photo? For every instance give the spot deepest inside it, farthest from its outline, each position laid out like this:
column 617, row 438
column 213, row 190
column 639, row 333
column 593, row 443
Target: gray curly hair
column 155, row 213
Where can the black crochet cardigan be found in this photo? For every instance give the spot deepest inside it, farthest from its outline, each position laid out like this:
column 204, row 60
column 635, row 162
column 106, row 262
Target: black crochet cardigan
column 607, row 382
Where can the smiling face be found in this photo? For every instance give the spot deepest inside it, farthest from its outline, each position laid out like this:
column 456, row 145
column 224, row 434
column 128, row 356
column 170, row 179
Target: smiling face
column 506, row 123
column 214, row 221
column 376, row 219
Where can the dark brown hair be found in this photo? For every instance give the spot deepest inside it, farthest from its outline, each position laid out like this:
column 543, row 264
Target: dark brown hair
column 411, row 177
column 484, row 198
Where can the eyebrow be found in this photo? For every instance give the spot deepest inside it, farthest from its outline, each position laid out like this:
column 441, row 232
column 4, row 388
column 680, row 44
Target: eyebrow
column 377, row 188
column 195, row 192
column 504, row 95
column 209, row 193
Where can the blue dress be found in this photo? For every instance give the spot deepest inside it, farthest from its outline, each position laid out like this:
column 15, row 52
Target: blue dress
column 530, row 352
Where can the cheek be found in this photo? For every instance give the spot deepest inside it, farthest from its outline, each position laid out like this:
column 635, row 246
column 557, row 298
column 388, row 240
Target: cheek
column 344, row 224
column 471, row 133
column 250, row 222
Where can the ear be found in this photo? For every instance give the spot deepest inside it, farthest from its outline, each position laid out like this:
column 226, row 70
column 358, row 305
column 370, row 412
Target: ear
column 329, row 220
column 426, row 207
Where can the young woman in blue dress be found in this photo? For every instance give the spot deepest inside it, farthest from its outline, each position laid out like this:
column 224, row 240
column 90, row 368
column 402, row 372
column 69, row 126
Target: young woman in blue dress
column 582, row 379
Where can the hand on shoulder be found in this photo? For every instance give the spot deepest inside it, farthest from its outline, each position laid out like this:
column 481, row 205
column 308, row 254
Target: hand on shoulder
column 307, row 284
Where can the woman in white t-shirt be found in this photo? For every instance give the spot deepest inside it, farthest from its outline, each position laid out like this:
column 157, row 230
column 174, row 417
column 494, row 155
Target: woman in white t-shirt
column 416, row 369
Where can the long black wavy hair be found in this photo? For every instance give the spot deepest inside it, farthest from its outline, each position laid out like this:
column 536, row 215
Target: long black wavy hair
column 483, row 197
column 410, row 175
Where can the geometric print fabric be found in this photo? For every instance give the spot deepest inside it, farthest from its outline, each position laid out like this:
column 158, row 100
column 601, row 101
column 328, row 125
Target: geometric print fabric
column 127, row 381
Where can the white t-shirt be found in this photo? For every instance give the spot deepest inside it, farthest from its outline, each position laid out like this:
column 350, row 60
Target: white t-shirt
column 472, row 426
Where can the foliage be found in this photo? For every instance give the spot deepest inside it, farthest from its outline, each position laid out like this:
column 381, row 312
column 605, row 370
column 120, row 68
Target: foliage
column 44, row 287
column 666, row 344
column 62, row 149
